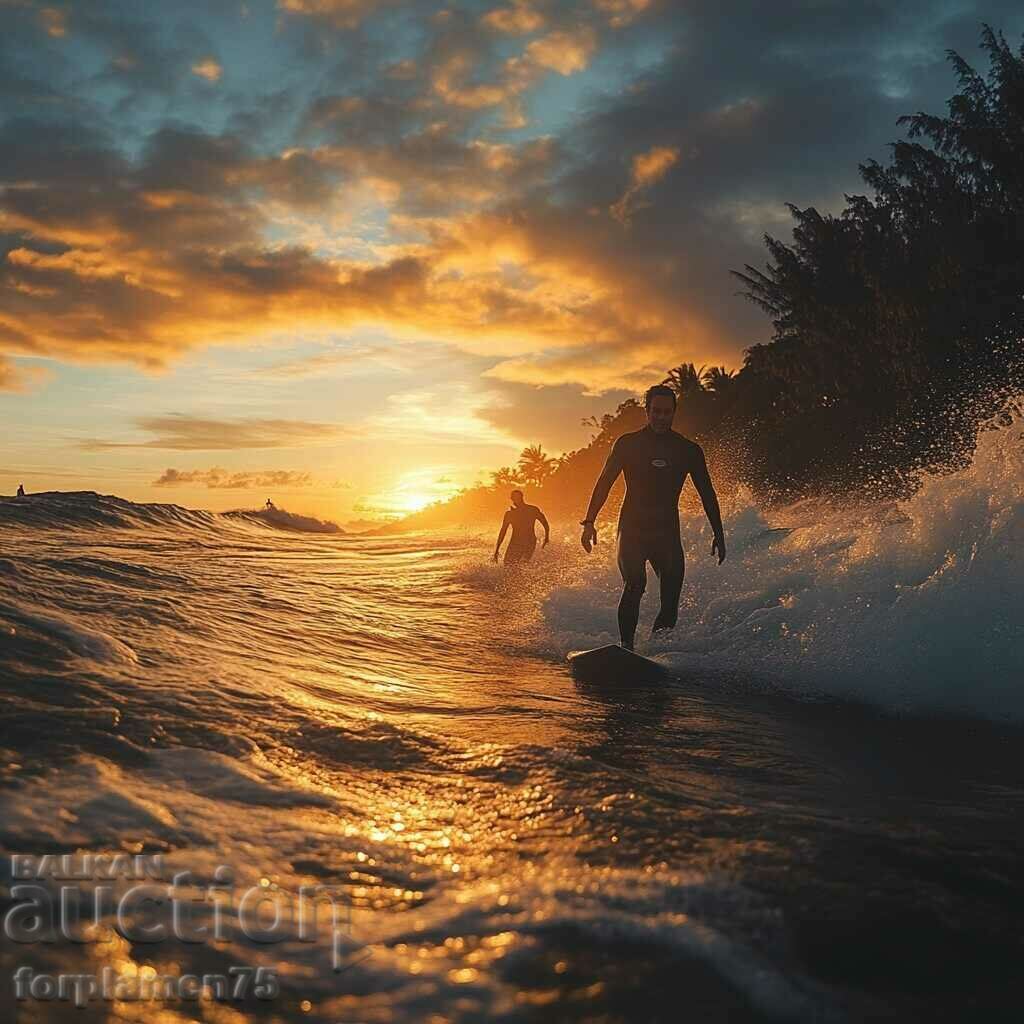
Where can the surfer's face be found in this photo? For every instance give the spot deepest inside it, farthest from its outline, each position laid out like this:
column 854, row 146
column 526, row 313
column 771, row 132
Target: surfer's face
column 660, row 413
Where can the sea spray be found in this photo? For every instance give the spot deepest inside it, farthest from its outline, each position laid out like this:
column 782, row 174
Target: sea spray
column 910, row 605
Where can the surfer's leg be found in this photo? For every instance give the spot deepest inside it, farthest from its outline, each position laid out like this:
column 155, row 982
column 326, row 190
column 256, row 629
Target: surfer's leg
column 517, row 554
column 633, row 567
column 670, row 566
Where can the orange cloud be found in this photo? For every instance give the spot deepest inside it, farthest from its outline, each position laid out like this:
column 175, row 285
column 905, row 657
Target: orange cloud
column 564, row 51
column 21, row 378
column 622, row 12
column 221, row 479
column 342, row 13
column 648, row 168
column 208, row 68
column 55, row 21
column 519, row 19
column 188, row 433
column 170, row 255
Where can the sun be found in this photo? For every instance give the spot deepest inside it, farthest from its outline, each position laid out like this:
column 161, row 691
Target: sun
column 412, row 501
column 413, row 491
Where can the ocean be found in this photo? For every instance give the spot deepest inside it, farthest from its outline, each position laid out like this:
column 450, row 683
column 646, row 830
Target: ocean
column 817, row 817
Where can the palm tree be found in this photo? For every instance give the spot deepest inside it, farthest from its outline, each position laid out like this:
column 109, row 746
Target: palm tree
column 718, row 379
column 534, row 466
column 685, row 379
column 505, row 477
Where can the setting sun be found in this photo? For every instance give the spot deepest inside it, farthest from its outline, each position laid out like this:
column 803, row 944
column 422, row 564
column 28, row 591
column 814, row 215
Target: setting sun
column 413, row 502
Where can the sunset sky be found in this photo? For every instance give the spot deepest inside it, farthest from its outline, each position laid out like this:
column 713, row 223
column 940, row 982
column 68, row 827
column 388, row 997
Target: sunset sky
column 353, row 254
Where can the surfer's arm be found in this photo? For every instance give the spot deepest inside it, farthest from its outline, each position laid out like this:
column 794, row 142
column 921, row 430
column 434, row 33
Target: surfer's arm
column 501, row 536
column 702, row 481
column 542, row 519
column 612, row 468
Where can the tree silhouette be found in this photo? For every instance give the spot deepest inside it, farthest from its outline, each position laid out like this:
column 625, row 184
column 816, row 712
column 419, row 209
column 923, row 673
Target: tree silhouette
column 505, row 477
column 534, row 466
column 717, row 379
column 894, row 318
column 685, row 379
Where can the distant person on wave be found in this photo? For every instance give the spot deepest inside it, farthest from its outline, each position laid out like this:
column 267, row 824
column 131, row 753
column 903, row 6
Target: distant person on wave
column 521, row 518
column 269, row 507
column 21, row 491
column 655, row 462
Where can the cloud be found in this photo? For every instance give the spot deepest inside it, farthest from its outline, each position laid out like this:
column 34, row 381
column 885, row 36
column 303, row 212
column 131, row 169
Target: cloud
column 339, row 13
column 520, row 18
column 442, row 415
column 186, row 433
column 323, row 363
column 379, row 186
column 550, row 416
column 563, row 51
column 208, row 68
column 648, row 168
column 621, row 12
column 20, row 378
column 54, row 21
column 222, row 479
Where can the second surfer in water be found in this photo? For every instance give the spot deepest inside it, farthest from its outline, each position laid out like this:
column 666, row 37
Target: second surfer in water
column 655, row 462
column 521, row 518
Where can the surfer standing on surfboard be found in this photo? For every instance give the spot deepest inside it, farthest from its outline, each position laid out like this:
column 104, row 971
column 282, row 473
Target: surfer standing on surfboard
column 521, row 518
column 655, row 462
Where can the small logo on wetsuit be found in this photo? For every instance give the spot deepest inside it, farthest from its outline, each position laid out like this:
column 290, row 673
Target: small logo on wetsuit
column 659, row 463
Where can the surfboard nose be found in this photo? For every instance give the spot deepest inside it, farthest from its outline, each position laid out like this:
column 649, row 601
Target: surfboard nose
column 613, row 663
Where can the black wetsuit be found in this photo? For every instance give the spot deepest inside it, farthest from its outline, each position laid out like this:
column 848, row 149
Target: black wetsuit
column 524, row 536
column 655, row 467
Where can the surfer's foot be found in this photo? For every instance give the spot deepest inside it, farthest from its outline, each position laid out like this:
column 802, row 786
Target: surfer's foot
column 628, row 644
column 661, row 627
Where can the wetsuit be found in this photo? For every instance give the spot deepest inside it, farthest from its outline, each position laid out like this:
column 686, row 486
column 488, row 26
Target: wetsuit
column 655, row 467
column 524, row 537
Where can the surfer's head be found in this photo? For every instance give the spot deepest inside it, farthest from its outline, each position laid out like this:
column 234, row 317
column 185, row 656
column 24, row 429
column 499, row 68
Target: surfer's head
column 517, row 498
column 660, row 403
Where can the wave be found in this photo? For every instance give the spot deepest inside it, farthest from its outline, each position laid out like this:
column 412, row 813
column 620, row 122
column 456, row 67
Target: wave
column 911, row 605
column 284, row 520
column 62, row 634
column 90, row 509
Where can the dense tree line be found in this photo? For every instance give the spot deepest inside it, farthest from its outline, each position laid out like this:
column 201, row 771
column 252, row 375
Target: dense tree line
column 895, row 318
column 897, row 324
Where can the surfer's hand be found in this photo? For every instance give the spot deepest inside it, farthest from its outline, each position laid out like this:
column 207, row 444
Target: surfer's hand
column 589, row 538
column 718, row 547
column 495, row 557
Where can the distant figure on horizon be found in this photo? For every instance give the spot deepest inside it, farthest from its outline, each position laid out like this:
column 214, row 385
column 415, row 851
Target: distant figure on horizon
column 269, row 507
column 655, row 462
column 521, row 518
column 21, row 491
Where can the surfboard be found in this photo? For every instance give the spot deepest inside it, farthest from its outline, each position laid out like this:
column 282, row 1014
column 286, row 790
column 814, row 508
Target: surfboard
column 613, row 663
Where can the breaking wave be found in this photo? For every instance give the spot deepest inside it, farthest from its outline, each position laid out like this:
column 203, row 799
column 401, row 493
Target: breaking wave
column 912, row 605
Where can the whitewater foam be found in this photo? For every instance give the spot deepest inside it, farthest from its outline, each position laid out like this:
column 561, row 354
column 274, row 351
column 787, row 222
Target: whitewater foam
column 913, row 605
